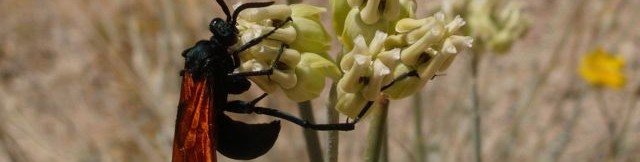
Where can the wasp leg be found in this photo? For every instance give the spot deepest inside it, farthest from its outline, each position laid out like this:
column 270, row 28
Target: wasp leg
column 366, row 107
column 252, row 73
column 301, row 122
column 253, row 42
column 249, row 107
column 262, row 72
column 412, row 73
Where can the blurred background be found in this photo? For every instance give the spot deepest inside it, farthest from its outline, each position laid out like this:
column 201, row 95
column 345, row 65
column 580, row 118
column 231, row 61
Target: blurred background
column 98, row 81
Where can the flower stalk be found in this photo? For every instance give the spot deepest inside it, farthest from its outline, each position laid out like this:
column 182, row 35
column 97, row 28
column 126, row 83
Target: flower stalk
column 333, row 139
column 377, row 130
column 311, row 136
column 417, row 118
column 475, row 109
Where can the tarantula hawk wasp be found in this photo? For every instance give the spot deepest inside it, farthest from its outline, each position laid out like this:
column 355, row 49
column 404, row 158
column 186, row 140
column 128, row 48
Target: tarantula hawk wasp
column 207, row 79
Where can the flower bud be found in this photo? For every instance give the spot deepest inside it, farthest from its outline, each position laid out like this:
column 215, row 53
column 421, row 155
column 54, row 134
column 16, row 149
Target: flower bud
column 350, row 104
column 372, row 89
column 377, row 43
column 427, row 71
column 351, row 81
column 412, row 55
column 408, row 24
column 369, row 13
column 456, row 42
column 354, row 27
column 286, row 34
column 391, row 10
column 360, row 48
column 390, row 58
column 340, row 10
column 268, row 53
column 262, row 81
column 286, row 79
column 311, row 72
column 312, row 37
column 278, row 12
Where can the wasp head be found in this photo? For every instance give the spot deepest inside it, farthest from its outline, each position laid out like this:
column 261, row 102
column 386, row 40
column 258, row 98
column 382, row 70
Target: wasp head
column 224, row 32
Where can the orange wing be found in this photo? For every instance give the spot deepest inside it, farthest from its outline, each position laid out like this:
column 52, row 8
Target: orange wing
column 193, row 139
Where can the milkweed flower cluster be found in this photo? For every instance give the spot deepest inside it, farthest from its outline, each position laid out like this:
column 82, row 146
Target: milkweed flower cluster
column 602, row 69
column 352, row 18
column 494, row 26
column 385, row 43
column 302, row 68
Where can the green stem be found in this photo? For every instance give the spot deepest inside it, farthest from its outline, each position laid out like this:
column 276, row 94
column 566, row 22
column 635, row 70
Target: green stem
column 333, row 117
column 384, row 151
column 311, row 136
column 376, row 130
column 475, row 108
column 559, row 145
column 417, row 116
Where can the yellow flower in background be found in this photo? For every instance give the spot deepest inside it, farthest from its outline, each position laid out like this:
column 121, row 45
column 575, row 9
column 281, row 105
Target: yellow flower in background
column 601, row 68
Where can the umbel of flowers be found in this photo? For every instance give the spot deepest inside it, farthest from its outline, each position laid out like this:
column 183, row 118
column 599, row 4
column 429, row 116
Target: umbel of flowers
column 303, row 64
column 383, row 44
column 495, row 25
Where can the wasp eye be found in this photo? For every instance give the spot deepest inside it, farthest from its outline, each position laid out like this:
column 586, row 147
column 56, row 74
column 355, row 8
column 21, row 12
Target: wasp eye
column 216, row 25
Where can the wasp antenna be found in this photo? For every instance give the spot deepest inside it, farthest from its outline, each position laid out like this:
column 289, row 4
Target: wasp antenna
column 245, row 6
column 225, row 9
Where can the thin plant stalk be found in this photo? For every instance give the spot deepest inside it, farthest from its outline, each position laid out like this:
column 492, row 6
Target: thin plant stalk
column 333, row 116
column 621, row 132
column 559, row 144
column 384, row 151
column 376, row 130
column 417, row 116
column 475, row 108
column 609, row 123
column 333, row 140
column 311, row 137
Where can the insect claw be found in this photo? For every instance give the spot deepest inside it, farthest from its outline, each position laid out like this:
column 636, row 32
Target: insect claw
column 255, row 101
